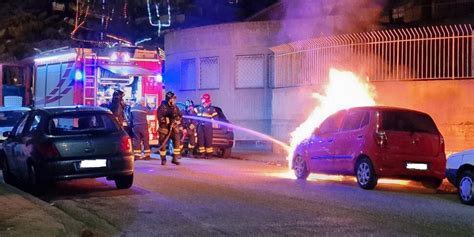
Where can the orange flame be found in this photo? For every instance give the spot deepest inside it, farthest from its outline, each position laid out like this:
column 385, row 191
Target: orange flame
column 344, row 90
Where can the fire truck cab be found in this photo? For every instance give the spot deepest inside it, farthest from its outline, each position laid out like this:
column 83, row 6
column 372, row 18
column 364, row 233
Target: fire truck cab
column 89, row 76
column 14, row 84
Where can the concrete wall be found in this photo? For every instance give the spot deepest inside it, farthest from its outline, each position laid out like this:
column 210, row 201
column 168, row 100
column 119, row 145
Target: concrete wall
column 250, row 108
column 449, row 102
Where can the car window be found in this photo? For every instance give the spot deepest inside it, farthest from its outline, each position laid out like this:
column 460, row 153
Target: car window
column 34, row 124
column 10, row 118
column 332, row 123
column 353, row 120
column 408, row 121
column 86, row 123
column 21, row 126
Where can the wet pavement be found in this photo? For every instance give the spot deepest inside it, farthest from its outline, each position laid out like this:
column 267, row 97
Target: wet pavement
column 241, row 197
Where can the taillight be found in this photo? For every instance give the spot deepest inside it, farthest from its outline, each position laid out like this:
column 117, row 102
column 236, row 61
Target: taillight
column 126, row 144
column 381, row 138
column 47, row 150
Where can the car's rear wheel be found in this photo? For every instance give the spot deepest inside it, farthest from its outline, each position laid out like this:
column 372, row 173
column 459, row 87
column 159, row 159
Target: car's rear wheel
column 466, row 187
column 433, row 183
column 8, row 177
column 365, row 174
column 35, row 183
column 124, row 182
column 300, row 167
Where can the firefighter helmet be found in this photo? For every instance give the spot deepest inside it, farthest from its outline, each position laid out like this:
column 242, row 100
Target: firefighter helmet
column 118, row 93
column 169, row 95
column 206, row 98
column 189, row 103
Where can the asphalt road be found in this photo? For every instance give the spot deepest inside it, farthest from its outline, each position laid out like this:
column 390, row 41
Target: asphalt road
column 235, row 197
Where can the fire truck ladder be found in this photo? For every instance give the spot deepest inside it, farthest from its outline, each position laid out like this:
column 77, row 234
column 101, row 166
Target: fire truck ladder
column 90, row 80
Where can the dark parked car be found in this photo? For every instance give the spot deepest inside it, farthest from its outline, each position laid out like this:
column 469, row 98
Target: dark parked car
column 222, row 137
column 63, row 143
column 373, row 142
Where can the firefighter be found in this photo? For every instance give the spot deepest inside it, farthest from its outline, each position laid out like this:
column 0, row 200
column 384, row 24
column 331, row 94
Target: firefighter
column 189, row 127
column 139, row 123
column 118, row 106
column 169, row 119
column 204, row 129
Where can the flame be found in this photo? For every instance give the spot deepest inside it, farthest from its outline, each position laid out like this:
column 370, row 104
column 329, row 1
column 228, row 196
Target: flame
column 339, row 178
column 344, row 90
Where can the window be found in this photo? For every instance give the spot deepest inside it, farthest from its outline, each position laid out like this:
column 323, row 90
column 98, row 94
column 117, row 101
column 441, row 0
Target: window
column 332, row 123
column 250, row 71
column 34, row 124
column 71, row 124
column 209, row 73
column 355, row 120
column 188, row 74
column 13, row 75
column 407, row 121
column 21, row 126
column 10, row 118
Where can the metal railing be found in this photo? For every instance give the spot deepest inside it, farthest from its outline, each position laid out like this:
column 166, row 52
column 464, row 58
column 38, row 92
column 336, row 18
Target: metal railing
column 424, row 53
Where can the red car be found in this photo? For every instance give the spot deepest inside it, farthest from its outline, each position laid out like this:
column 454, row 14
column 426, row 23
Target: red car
column 373, row 142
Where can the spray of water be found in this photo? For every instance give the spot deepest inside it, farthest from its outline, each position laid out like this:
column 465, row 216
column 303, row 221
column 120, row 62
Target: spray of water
column 250, row 131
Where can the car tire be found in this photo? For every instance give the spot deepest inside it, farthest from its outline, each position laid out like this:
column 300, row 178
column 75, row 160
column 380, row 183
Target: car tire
column 365, row 174
column 35, row 183
column 466, row 187
column 300, row 168
column 226, row 152
column 433, row 183
column 8, row 177
column 124, row 182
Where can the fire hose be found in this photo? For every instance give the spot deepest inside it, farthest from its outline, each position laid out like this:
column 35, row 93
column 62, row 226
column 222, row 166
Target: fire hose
column 167, row 136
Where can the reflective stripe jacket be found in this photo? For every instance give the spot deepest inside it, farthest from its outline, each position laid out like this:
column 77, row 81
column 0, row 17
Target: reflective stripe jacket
column 207, row 112
column 167, row 115
column 189, row 123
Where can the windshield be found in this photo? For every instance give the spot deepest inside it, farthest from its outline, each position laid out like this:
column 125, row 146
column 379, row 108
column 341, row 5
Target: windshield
column 9, row 118
column 408, row 121
column 87, row 123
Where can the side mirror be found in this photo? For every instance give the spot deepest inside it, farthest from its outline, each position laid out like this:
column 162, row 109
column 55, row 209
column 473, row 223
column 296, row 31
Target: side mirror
column 6, row 134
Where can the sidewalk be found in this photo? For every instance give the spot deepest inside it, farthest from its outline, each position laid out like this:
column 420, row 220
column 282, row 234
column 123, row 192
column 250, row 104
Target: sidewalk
column 24, row 215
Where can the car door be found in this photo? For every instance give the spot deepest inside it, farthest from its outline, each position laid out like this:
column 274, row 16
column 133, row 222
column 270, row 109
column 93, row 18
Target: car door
column 321, row 144
column 399, row 145
column 11, row 146
column 350, row 140
column 26, row 141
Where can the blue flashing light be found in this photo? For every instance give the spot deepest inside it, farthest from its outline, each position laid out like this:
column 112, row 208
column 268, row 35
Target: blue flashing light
column 78, row 75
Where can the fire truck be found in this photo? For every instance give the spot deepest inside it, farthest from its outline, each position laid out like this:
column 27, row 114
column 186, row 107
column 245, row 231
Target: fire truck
column 15, row 81
column 89, row 76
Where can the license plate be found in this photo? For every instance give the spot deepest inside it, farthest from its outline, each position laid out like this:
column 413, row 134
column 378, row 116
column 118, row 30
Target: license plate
column 93, row 163
column 417, row 166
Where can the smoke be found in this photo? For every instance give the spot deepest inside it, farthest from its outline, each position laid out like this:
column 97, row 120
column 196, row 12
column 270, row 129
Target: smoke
column 304, row 19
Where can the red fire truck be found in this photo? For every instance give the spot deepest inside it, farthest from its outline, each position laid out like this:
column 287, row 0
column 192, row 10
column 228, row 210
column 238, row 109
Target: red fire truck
column 89, row 76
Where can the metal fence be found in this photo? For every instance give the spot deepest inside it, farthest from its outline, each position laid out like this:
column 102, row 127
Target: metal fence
column 424, row 53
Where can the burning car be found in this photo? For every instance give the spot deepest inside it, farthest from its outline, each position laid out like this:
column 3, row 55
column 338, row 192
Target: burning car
column 372, row 142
